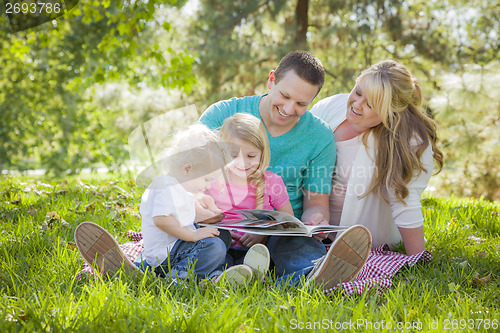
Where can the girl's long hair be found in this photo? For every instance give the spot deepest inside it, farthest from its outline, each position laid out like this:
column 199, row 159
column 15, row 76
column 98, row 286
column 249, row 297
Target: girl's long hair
column 405, row 131
column 249, row 129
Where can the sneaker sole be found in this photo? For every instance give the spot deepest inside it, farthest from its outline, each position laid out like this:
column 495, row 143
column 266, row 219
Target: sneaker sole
column 346, row 257
column 258, row 259
column 101, row 251
column 236, row 275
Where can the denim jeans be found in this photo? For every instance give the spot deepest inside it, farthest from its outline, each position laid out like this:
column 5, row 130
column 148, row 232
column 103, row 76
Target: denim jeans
column 293, row 257
column 225, row 235
column 206, row 258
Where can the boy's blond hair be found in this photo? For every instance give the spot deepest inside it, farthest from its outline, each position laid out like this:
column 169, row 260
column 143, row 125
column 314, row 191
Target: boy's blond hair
column 198, row 146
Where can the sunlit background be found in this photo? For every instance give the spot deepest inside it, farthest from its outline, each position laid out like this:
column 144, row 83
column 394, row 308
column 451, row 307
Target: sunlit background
column 72, row 90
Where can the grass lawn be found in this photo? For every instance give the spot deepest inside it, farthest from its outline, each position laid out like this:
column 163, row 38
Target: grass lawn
column 458, row 290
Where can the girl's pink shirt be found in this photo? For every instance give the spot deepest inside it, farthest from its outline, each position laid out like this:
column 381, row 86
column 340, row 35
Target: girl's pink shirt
column 230, row 197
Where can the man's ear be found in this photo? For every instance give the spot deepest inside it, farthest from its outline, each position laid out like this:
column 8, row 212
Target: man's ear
column 270, row 82
column 187, row 168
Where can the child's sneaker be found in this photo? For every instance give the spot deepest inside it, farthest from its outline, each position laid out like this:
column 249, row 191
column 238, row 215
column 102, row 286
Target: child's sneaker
column 236, row 275
column 100, row 250
column 258, row 259
column 344, row 259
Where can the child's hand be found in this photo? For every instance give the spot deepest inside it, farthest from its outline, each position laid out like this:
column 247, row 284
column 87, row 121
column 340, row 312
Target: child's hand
column 234, row 238
column 205, row 232
column 249, row 240
column 206, row 210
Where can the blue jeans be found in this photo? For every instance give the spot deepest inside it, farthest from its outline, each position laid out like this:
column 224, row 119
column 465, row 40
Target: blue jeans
column 236, row 255
column 205, row 258
column 293, row 256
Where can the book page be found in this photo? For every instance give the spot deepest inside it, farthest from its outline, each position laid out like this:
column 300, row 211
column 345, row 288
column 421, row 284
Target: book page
column 315, row 229
column 262, row 224
column 268, row 222
column 262, row 214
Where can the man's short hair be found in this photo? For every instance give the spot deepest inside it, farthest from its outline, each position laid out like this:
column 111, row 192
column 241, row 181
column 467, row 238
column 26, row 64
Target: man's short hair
column 305, row 65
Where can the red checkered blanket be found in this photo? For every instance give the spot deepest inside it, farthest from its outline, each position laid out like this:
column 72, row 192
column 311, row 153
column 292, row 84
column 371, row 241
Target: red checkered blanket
column 381, row 265
column 376, row 274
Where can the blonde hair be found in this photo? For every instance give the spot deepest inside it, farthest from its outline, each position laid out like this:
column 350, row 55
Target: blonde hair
column 198, row 146
column 250, row 130
column 405, row 131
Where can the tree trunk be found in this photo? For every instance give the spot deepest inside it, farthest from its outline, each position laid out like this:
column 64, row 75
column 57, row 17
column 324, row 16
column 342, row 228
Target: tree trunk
column 302, row 20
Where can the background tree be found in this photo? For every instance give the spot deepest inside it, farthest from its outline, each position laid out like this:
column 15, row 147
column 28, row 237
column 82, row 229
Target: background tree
column 72, row 90
column 238, row 42
column 46, row 73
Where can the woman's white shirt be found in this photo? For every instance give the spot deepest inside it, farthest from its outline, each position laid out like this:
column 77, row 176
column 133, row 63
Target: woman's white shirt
column 346, row 153
column 381, row 218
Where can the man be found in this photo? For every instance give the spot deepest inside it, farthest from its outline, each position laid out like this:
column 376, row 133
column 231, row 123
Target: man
column 302, row 153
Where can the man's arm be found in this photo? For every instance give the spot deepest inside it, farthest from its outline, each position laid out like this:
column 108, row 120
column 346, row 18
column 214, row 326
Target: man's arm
column 215, row 114
column 316, row 210
column 317, row 183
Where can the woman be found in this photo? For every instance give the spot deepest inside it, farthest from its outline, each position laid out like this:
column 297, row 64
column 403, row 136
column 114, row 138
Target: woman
column 385, row 150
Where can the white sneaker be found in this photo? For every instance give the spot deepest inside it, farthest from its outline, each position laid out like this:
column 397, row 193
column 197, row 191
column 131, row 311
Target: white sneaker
column 236, row 275
column 344, row 259
column 258, row 259
column 101, row 251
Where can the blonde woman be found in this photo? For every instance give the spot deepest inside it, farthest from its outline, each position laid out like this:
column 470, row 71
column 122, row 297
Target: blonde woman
column 385, row 150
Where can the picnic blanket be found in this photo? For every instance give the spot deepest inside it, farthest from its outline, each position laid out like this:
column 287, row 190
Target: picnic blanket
column 381, row 265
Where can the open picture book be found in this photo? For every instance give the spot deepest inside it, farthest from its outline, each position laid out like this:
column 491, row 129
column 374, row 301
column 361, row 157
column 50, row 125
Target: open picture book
column 268, row 222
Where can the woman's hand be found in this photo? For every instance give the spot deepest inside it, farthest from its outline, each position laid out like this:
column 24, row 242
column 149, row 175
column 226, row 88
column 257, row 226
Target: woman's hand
column 413, row 239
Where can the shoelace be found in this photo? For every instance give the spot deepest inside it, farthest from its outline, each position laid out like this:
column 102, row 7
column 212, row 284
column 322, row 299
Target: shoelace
column 319, row 260
column 317, row 263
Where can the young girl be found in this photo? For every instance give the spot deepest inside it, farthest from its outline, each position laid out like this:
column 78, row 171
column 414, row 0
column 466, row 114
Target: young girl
column 249, row 185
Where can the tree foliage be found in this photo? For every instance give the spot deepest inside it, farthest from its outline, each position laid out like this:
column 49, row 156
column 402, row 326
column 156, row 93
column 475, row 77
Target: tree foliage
column 238, row 42
column 67, row 86
column 45, row 74
column 468, row 110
